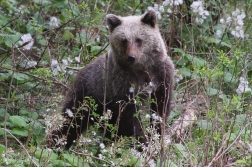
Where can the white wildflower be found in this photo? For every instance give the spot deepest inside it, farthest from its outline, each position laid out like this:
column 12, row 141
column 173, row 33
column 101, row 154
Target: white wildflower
column 147, row 116
column 249, row 147
column 101, row 156
column 150, row 88
column 55, row 66
column 172, row 2
column 167, row 141
column 240, row 22
column 65, row 62
column 228, row 20
column 237, row 20
column 235, row 13
column 64, row 65
column 152, row 163
column 54, row 22
column 199, row 11
column 219, row 33
column 222, row 21
column 77, row 59
column 131, row 89
column 27, row 40
column 98, row 39
column 28, row 64
column 169, row 10
column 199, row 20
column 102, row 146
column 69, row 113
column 155, row 116
column 85, row 140
column 161, row 8
column 243, row 86
column 69, row 60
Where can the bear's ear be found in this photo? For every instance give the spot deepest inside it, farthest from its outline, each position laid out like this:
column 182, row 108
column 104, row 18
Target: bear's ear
column 113, row 21
column 150, row 18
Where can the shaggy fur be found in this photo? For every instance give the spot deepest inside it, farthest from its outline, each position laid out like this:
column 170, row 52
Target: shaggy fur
column 137, row 57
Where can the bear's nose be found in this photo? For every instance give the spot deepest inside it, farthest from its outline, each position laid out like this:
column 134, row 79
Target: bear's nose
column 131, row 58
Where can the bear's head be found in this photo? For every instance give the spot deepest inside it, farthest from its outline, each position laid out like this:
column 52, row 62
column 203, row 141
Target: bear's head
column 135, row 40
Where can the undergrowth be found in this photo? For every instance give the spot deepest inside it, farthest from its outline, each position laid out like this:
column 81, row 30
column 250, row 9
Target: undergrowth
column 44, row 43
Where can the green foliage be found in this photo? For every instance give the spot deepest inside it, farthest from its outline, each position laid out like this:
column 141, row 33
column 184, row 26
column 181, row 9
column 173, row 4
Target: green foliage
column 67, row 35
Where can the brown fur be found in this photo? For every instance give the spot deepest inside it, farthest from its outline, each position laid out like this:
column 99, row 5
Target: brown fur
column 137, row 57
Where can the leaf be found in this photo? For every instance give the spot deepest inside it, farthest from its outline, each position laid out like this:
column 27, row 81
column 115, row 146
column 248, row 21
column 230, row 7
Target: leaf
column 2, row 112
column 199, row 62
column 181, row 150
column 168, row 163
column 20, row 76
column 2, row 149
column 59, row 163
column 212, row 40
column 23, row 112
column 20, row 132
column 204, row 124
column 229, row 78
column 4, row 76
column 241, row 118
column 186, row 72
column 18, row 121
column 11, row 40
column 34, row 115
column 68, row 35
column 212, row 91
column 42, row 42
column 74, row 160
column 95, row 49
column 45, row 154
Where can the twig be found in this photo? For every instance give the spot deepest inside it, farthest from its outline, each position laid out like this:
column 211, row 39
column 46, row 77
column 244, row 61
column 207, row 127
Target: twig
column 5, row 130
column 219, row 154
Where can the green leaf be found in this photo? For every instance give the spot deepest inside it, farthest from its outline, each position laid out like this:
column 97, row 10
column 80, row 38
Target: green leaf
column 59, row 163
column 199, row 62
column 20, row 132
column 2, row 149
column 212, row 40
column 241, row 118
column 242, row 162
column 23, row 112
column 68, row 35
column 229, row 78
column 4, row 76
column 74, row 160
column 42, row 42
column 212, row 91
column 204, row 124
column 20, row 76
column 2, row 112
column 45, row 154
column 34, row 115
column 186, row 72
column 95, row 49
column 168, row 163
column 18, row 121
column 188, row 57
column 11, row 39
column 181, row 150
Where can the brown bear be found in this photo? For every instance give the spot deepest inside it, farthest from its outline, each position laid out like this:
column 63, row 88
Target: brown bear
column 137, row 59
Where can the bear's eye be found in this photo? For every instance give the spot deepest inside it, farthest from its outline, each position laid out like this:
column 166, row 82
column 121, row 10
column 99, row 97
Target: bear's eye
column 124, row 42
column 138, row 42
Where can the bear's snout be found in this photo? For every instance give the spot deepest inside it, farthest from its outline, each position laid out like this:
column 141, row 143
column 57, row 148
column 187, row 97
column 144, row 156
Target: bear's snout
column 131, row 58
